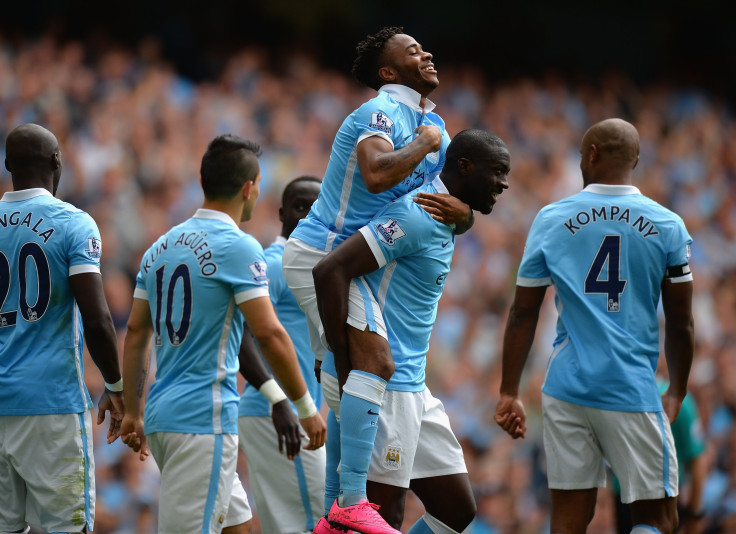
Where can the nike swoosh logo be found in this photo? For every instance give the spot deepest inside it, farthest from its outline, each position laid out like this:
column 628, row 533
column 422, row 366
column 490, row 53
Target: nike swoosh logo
column 445, row 244
column 370, row 412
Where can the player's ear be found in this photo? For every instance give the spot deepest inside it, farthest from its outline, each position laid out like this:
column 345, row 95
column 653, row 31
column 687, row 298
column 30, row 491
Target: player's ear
column 7, row 165
column 636, row 162
column 387, row 74
column 281, row 214
column 247, row 187
column 465, row 166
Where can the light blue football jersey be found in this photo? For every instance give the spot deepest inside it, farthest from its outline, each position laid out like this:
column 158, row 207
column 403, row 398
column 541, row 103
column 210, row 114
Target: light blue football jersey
column 43, row 241
column 605, row 250
column 344, row 203
column 194, row 277
column 252, row 403
column 414, row 252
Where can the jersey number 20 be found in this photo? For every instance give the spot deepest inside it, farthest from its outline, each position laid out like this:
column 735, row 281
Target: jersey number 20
column 29, row 312
column 608, row 257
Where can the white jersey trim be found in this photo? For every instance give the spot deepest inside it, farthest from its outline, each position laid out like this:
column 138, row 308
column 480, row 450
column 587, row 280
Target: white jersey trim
column 221, row 369
column 606, row 189
column 347, row 185
column 203, row 213
column 25, row 194
column 373, row 245
column 140, row 293
column 84, row 268
column 533, row 282
column 407, row 96
column 250, row 294
column 686, row 278
column 372, row 133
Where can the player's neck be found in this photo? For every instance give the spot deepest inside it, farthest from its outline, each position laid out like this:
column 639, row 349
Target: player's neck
column 232, row 208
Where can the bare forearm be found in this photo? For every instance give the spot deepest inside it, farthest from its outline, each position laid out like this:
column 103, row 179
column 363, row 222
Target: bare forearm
column 251, row 364
column 517, row 342
column 279, row 352
column 136, row 363
column 385, row 170
column 678, row 349
column 99, row 333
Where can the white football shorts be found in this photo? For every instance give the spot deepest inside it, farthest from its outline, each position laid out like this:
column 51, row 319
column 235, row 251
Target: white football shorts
column 638, row 446
column 289, row 495
column 239, row 510
column 46, row 464
column 197, row 474
column 363, row 310
column 414, row 440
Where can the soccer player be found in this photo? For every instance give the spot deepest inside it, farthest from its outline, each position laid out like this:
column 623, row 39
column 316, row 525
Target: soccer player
column 288, row 494
column 389, row 146
column 49, row 278
column 415, row 447
column 196, row 284
column 610, row 252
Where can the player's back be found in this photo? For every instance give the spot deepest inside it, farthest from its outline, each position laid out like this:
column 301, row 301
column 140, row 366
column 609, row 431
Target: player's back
column 344, row 203
column 606, row 250
column 42, row 242
column 191, row 276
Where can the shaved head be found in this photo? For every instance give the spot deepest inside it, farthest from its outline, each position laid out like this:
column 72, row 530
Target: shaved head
column 609, row 152
column 615, row 138
column 33, row 158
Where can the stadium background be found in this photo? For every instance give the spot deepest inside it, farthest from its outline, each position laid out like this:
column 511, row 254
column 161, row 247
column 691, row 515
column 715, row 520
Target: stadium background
column 135, row 91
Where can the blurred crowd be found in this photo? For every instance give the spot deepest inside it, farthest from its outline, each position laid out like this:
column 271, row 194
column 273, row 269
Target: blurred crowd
column 132, row 132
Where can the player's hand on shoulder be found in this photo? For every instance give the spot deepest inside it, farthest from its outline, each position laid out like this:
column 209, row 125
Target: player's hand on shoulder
column 444, row 208
column 431, row 135
column 133, row 435
column 287, row 428
column 112, row 402
column 316, row 430
column 511, row 416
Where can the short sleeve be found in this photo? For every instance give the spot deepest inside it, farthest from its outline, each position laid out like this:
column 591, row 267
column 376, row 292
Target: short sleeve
column 377, row 118
column 276, row 282
column 398, row 230
column 251, row 281
column 533, row 270
column 84, row 244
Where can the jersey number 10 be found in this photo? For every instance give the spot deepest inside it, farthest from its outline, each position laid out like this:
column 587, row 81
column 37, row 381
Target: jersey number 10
column 176, row 335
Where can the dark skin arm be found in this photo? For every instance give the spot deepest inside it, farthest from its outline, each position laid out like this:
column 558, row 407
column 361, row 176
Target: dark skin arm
column 332, row 276
column 517, row 342
column 284, row 419
column 679, row 336
column 99, row 333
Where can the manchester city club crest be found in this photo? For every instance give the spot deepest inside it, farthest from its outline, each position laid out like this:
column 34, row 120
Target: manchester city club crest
column 392, row 457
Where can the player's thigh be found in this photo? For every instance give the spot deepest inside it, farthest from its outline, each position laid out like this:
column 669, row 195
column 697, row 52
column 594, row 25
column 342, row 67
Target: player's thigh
column 573, row 452
column 438, row 451
column 641, row 451
column 238, row 512
column 297, row 263
column 572, row 510
column 289, row 494
column 197, row 472
column 397, row 436
column 52, row 454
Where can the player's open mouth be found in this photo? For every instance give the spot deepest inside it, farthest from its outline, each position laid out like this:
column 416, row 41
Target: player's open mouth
column 429, row 68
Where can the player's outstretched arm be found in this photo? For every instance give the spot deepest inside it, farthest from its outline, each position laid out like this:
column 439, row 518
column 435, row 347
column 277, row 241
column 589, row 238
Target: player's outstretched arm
column 332, row 276
column 277, row 348
column 255, row 373
column 517, row 342
column 679, row 340
column 136, row 360
column 382, row 167
column 99, row 333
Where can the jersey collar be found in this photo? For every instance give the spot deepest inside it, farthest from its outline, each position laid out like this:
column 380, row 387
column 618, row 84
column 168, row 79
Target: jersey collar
column 203, row 213
column 606, row 189
column 25, row 194
column 439, row 185
column 280, row 240
column 407, row 95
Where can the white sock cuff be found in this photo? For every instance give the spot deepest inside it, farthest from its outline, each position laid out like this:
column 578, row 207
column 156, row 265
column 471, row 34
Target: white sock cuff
column 365, row 386
column 437, row 526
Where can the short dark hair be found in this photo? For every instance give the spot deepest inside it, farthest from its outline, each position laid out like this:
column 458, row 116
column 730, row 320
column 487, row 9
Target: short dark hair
column 290, row 186
column 471, row 144
column 227, row 164
column 368, row 56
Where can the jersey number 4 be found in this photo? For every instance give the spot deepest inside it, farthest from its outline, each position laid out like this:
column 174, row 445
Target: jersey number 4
column 165, row 299
column 29, row 312
column 608, row 258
